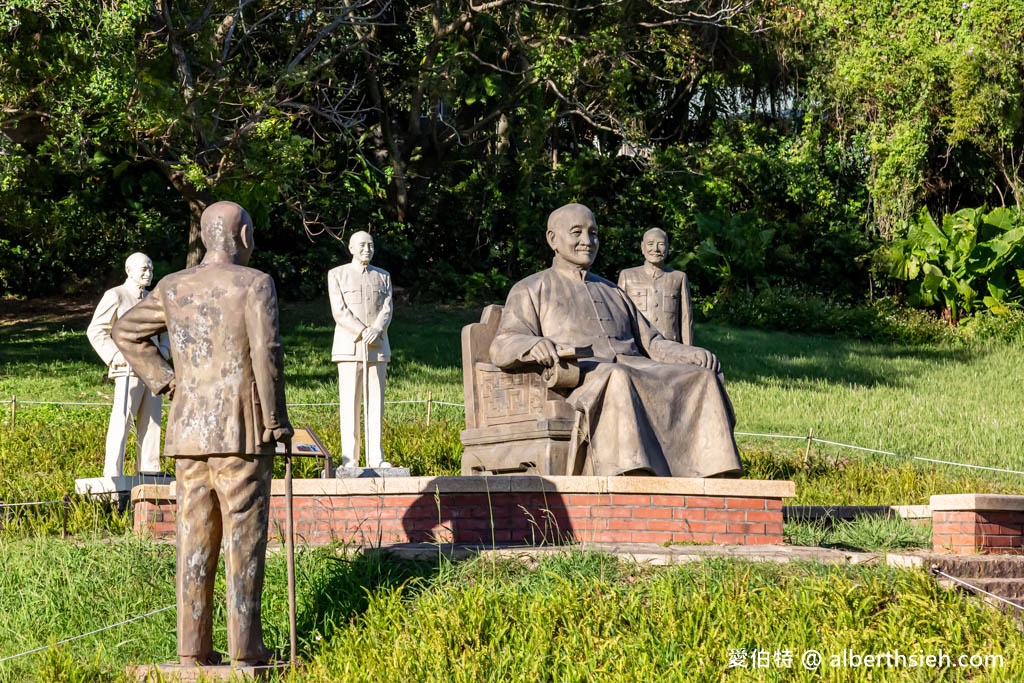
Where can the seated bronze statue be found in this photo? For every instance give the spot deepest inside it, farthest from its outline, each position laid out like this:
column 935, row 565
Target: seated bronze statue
column 638, row 404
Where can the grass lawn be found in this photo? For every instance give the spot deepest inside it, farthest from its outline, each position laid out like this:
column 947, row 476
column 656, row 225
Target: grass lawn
column 570, row 617
column 956, row 404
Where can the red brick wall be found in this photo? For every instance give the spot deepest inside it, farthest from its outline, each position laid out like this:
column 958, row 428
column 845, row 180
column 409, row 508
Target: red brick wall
column 965, row 532
column 511, row 518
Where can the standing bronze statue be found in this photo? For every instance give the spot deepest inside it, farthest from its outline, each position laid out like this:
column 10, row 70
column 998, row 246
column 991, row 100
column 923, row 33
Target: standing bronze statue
column 662, row 294
column 649, row 405
column 227, row 412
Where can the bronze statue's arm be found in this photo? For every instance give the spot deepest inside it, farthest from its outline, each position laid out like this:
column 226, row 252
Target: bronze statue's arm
column 656, row 347
column 267, row 356
column 520, row 332
column 133, row 334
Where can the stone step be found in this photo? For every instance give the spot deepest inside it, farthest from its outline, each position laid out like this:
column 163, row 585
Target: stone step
column 829, row 514
column 1007, row 589
column 980, row 566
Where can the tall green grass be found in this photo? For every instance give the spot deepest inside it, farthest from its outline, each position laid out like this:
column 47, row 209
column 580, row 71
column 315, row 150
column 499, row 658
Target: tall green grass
column 568, row 617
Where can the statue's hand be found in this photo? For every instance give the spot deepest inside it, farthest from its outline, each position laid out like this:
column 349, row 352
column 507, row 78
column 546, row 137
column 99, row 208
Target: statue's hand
column 118, row 361
column 370, row 335
column 704, row 358
column 544, row 352
column 280, row 434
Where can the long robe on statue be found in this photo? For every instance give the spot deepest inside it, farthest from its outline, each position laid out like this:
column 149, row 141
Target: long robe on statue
column 644, row 406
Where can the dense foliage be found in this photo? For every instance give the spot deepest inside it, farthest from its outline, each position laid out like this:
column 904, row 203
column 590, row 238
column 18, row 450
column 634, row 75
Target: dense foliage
column 779, row 143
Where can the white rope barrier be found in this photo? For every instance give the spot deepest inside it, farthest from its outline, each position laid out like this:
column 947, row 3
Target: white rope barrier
column 84, row 635
column 35, row 502
column 881, row 452
column 290, row 405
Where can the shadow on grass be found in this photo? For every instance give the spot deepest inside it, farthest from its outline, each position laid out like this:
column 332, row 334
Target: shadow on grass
column 337, row 588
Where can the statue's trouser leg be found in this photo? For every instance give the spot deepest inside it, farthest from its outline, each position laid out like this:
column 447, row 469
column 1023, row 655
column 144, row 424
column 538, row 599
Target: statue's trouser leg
column 147, row 428
column 350, row 399
column 117, row 428
column 243, row 486
column 198, row 539
column 377, row 376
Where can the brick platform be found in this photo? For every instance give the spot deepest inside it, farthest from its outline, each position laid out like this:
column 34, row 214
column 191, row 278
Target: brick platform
column 511, row 510
column 971, row 523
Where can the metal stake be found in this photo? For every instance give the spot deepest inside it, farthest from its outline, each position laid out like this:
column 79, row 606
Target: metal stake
column 290, row 549
column 64, row 516
column 807, row 451
column 430, row 402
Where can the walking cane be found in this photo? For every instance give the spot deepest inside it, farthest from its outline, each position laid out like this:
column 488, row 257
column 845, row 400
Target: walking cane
column 366, row 403
column 290, row 548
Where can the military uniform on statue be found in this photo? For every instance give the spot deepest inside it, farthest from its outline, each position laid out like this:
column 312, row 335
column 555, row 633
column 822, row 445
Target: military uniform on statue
column 661, row 294
column 133, row 401
column 361, row 304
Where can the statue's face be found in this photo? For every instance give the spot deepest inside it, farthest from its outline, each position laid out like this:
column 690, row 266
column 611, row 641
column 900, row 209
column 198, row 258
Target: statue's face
column 655, row 247
column 140, row 270
column 574, row 238
column 361, row 246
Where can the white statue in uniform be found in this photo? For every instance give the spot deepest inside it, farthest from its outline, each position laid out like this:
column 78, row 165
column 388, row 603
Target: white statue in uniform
column 361, row 303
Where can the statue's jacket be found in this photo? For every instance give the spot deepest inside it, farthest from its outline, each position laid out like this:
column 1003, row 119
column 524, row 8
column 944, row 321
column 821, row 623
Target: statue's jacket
column 222, row 321
column 114, row 303
column 360, row 298
column 663, row 296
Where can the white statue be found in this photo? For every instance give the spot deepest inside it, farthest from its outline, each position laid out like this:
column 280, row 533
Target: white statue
column 662, row 294
column 361, row 305
column 133, row 401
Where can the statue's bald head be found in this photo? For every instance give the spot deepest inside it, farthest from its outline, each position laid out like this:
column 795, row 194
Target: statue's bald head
column 572, row 234
column 360, row 245
column 227, row 227
column 139, row 269
column 565, row 216
column 654, row 247
column 656, row 233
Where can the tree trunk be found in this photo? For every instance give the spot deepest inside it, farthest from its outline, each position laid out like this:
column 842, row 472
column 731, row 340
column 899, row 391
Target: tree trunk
column 197, row 201
column 195, row 238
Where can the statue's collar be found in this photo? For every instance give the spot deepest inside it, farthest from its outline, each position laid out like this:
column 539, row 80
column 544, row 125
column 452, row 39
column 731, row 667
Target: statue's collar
column 653, row 270
column 569, row 270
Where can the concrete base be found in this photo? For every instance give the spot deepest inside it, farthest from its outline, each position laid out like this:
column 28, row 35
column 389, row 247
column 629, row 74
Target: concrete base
column 173, row 671
column 99, row 485
column 366, row 472
column 119, row 489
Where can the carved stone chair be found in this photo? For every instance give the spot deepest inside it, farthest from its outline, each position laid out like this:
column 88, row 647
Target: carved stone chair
column 516, row 422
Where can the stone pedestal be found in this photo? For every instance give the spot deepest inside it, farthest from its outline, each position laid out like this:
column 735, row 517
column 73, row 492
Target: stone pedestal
column 367, row 472
column 118, row 489
column 969, row 523
column 174, row 672
column 510, row 510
